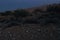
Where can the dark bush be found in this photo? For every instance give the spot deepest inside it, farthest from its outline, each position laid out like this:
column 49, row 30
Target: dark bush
column 31, row 21
column 21, row 13
column 2, row 14
column 5, row 13
column 50, row 18
column 53, row 9
column 36, row 10
column 8, row 13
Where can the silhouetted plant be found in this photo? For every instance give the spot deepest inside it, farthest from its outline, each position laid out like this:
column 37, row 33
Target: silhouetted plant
column 2, row 14
column 53, row 9
column 21, row 13
column 36, row 10
column 50, row 18
column 8, row 12
column 5, row 13
column 31, row 21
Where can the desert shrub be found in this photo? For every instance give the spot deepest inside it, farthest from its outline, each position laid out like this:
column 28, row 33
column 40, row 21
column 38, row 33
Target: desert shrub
column 50, row 18
column 8, row 13
column 49, row 9
column 2, row 14
column 21, row 13
column 53, row 9
column 5, row 13
column 31, row 21
column 36, row 10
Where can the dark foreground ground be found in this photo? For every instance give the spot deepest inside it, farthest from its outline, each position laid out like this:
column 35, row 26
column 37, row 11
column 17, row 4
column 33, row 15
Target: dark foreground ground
column 38, row 25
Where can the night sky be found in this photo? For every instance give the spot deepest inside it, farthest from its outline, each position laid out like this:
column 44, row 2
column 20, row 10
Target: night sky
column 14, row 4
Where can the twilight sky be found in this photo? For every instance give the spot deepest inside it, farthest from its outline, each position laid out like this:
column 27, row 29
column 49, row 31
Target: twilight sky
column 14, row 4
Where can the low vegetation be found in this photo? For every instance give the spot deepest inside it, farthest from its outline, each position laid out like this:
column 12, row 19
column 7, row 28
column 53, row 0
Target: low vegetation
column 51, row 16
column 35, row 25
